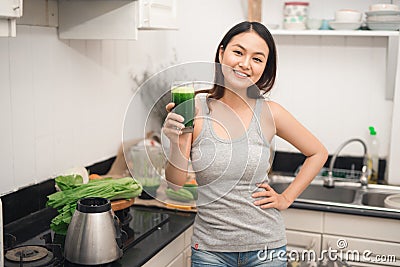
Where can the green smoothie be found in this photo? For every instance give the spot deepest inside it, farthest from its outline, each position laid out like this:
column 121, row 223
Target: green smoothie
column 183, row 97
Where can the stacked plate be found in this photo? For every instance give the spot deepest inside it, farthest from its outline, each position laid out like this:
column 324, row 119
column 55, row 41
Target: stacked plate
column 346, row 19
column 383, row 17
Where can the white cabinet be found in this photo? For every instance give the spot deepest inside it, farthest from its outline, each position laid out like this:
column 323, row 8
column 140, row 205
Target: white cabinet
column 364, row 252
column 379, row 238
column 175, row 254
column 157, row 14
column 177, row 262
column 362, row 227
column 10, row 10
column 116, row 19
column 373, row 240
column 303, row 229
column 301, row 241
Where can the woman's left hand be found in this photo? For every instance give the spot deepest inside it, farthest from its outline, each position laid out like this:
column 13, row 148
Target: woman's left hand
column 270, row 198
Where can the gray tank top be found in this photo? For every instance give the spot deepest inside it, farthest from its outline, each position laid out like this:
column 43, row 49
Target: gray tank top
column 227, row 172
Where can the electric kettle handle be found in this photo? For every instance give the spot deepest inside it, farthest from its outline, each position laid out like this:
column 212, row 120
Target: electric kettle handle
column 118, row 234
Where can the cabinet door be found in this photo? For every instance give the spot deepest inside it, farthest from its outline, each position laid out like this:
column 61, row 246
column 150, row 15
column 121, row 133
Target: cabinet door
column 365, row 227
column 363, row 252
column 188, row 256
column 10, row 8
column 300, row 241
column 178, row 261
column 169, row 254
column 157, row 14
column 303, row 220
column 97, row 19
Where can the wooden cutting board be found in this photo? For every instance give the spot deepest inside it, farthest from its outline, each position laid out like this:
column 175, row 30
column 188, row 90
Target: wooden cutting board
column 118, row 204
column 121, row 204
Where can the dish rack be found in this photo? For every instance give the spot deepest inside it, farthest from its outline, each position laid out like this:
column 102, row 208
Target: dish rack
column 337, row 173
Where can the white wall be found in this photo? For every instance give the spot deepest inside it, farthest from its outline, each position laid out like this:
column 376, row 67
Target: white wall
column 62, row 103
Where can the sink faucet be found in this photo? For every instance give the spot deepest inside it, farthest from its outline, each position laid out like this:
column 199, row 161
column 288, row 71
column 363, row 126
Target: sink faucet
column 330, row 182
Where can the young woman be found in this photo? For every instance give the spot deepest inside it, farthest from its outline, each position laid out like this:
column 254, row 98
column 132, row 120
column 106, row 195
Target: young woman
column 238, row 222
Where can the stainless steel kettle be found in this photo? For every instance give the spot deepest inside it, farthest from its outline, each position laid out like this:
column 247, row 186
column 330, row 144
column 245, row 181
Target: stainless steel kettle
column 94, row 234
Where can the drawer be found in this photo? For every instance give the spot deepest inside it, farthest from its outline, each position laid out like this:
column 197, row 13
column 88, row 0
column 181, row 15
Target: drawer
column 304, row 220
column 378, row 253
column 300, row 241
column 362, row 227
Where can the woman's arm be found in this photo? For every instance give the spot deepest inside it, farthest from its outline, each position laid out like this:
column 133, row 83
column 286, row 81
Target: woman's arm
column 176, row 169
column 288, row 128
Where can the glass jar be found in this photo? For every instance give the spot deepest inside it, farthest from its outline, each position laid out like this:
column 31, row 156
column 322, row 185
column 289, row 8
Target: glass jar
column 147, row 167
column 295, row 15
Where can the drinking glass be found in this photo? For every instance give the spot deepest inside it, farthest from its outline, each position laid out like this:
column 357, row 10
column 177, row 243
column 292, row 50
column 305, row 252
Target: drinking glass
column 182, row 94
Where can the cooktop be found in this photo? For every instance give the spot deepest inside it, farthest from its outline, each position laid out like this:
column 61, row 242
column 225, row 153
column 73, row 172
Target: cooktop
column 46, row 248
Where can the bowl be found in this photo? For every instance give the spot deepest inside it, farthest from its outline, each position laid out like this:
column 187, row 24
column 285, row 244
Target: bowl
column 348, row 15
column 379, row 7
column 339, row 25
column 392, row 201
column 314, row 24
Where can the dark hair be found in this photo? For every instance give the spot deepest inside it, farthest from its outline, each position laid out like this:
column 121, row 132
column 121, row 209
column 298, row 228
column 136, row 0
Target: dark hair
column 267, row 80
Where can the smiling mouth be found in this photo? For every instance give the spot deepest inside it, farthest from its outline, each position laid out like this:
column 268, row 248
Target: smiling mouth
column 241, row 74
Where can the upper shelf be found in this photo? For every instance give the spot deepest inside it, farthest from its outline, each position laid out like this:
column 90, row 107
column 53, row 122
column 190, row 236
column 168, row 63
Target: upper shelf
column 392, row 48
column 335, row 33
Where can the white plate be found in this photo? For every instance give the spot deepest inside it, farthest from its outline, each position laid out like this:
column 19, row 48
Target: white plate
column 389, row 18
column 336, row 25
column 382, row 12
column 383, row 26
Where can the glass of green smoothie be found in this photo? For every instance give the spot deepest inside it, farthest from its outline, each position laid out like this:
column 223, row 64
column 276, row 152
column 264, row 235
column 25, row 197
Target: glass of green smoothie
column 182, row 94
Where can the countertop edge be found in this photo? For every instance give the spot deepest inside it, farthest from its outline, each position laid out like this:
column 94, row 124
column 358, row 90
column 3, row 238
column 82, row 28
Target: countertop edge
column 346, row 210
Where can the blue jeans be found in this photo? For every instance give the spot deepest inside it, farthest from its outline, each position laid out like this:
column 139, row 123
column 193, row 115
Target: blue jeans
column 258, row 258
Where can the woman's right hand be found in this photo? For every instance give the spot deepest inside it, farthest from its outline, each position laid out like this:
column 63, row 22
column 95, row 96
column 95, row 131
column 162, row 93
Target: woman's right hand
column 173, row 124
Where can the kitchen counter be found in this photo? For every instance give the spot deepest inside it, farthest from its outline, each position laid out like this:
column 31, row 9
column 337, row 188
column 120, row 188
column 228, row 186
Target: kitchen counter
column 147, row 248
column 32, row 229
column 345, row 197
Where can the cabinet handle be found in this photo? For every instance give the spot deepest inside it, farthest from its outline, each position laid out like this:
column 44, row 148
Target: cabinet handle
column 312, row 244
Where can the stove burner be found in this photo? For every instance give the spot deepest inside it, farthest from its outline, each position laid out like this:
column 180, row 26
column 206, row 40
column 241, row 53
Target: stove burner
column 31, row 256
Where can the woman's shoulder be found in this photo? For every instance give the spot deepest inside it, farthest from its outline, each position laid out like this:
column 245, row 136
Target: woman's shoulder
column 273, row 106
column 278, row 112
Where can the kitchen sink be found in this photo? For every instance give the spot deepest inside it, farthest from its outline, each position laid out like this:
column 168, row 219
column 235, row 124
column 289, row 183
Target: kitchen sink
column 321, row 193
column 375, row 199
column 343, row 194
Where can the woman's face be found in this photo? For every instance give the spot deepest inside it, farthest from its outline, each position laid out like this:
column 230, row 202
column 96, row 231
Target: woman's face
column 243, row 60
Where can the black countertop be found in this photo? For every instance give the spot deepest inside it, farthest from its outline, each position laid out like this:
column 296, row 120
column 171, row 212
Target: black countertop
column 147, row 248
column 30, row 229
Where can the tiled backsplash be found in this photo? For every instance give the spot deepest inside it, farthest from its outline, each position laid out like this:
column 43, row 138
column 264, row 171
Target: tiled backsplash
column 33, row 198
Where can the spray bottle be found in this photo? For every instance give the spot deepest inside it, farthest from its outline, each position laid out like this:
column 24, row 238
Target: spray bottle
column 373, row 150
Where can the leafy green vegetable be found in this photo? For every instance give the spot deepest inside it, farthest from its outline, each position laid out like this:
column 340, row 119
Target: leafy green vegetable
column 65, row 201
column 182, row 195
column 68, row 181
column 192, row 188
